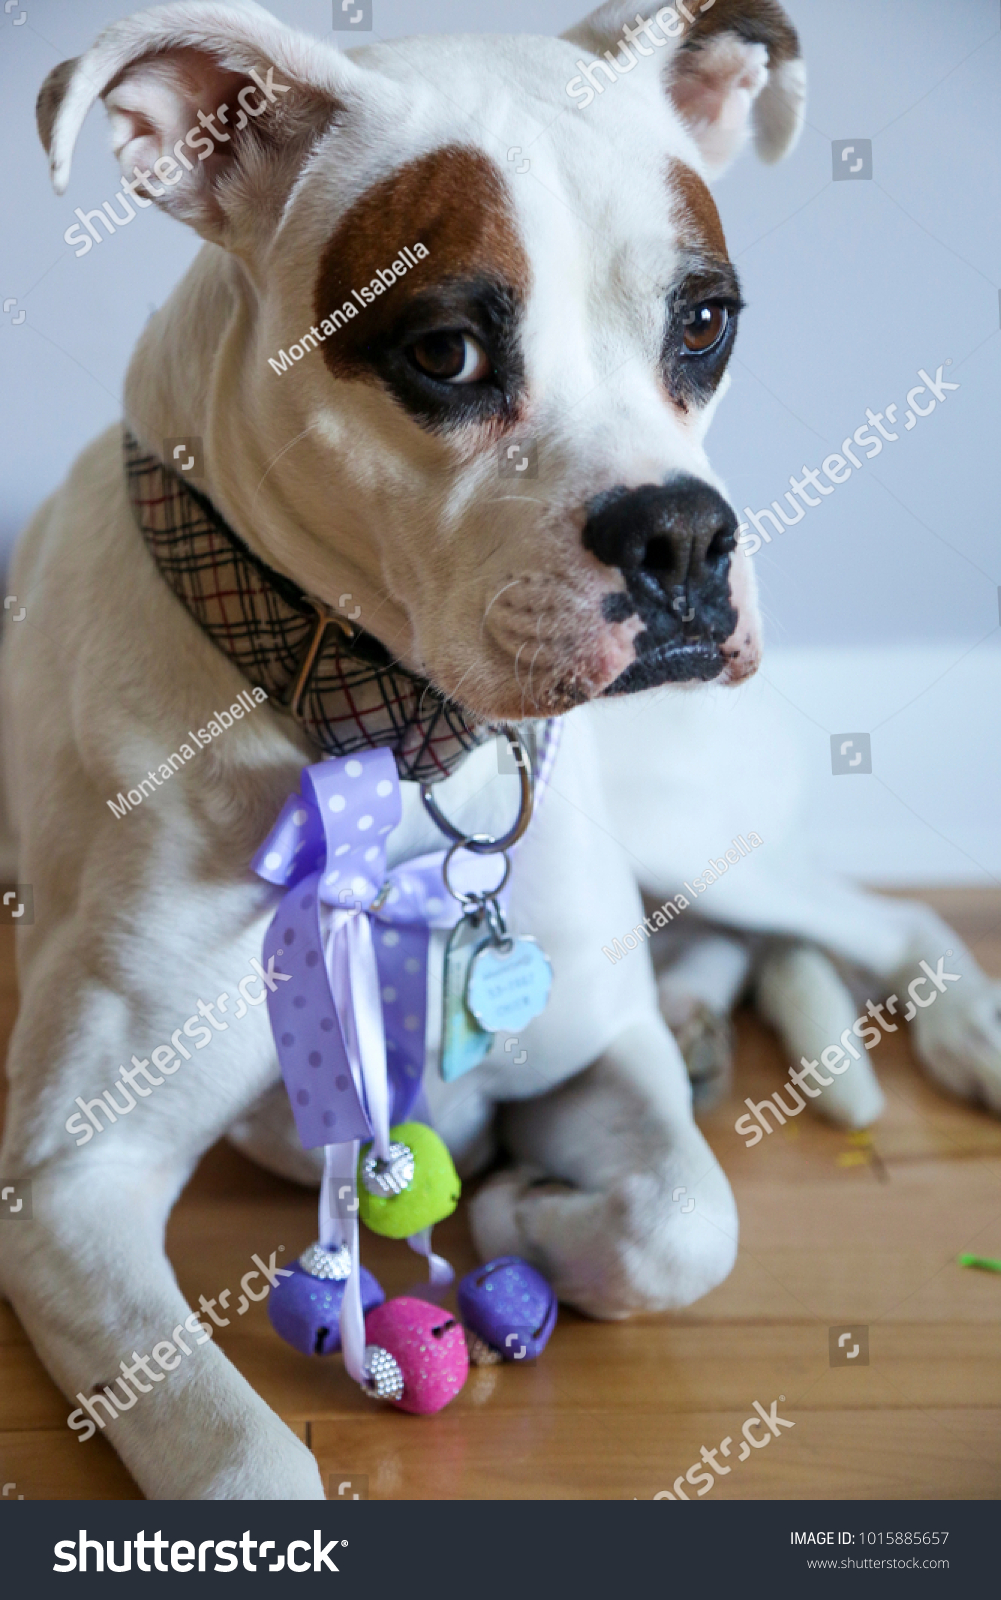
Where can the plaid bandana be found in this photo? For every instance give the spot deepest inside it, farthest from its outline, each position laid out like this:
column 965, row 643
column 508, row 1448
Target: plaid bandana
column 342, row 687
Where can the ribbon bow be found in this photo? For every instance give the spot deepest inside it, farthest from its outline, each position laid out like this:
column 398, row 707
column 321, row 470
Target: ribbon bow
column 329, row 848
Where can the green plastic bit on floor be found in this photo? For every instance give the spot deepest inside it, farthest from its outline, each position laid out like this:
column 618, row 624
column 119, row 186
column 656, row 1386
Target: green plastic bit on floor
column 985, row 1263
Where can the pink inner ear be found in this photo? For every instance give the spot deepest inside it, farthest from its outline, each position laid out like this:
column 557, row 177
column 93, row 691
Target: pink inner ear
column 157, row 101
column 716, row 85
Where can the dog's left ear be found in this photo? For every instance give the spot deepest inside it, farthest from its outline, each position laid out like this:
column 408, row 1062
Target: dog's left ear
column 731, row 68
column 164, row 74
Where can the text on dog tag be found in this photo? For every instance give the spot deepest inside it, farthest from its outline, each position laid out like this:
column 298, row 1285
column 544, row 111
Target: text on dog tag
column 507, row 988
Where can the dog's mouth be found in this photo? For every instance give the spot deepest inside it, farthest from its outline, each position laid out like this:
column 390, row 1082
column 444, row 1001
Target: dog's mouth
column 691, row 661
column 684, row 629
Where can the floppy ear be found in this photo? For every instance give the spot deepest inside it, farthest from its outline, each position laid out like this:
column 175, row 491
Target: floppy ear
column 215, row 107
column 732, row 67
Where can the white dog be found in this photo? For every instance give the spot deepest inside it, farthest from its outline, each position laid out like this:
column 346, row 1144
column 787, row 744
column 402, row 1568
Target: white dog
column 587, row 302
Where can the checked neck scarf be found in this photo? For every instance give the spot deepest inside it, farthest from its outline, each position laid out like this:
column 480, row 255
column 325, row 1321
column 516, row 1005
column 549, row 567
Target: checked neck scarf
column 341, row 686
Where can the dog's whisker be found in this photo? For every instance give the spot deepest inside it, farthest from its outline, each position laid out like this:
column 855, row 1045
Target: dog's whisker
column 308, row 429
column 497, row 596
column 517, row 658
column 531, row 668
column 453, row 692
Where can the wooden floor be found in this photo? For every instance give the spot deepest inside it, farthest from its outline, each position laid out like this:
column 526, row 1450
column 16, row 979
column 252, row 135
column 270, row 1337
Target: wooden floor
column 835, row 1232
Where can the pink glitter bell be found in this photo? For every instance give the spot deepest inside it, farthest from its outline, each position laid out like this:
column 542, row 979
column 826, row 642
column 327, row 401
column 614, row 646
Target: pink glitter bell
column 428, row 1346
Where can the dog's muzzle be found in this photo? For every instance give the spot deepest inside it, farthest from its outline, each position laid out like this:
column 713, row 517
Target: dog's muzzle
column 672, row 543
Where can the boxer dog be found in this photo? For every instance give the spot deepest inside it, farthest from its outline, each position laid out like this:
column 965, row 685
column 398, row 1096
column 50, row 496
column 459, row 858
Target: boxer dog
column 578, row 296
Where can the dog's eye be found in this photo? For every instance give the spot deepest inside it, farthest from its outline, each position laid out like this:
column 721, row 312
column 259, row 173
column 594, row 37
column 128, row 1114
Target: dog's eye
column 704, row 327
column 450, row 358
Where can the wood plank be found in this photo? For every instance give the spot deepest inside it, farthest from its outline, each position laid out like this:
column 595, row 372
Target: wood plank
column 545, row 1455
column 51, row 1464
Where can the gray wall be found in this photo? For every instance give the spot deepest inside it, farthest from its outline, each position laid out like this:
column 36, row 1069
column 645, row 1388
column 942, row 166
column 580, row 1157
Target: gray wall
column 852, row 287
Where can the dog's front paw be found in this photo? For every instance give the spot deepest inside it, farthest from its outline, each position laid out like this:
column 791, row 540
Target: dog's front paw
column 958, row 1040
column 253, row 1457
column 649, row 1242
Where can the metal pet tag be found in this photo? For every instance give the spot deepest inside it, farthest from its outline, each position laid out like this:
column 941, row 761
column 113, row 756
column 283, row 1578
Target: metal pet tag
column 464, row 1042
column 506, row 989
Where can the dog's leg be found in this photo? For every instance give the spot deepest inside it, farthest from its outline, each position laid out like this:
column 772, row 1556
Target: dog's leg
column 912, row 956
column 615, row 1195
column 800, row 992
column 690, row 749
column 95, row 1293
column 956, row 1021
column 87, row 1274
column 697, row 992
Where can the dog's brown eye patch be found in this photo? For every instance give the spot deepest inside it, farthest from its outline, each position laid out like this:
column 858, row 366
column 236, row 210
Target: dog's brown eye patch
column 444, row 337
column 450, row 358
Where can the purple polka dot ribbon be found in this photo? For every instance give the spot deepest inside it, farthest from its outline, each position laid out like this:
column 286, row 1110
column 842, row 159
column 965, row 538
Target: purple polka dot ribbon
column 329, row 847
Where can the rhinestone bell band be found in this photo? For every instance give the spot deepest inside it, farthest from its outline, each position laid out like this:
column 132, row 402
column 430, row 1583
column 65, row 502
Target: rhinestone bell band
column 383, row 1378
column 322, row 1263
column 389, row 1177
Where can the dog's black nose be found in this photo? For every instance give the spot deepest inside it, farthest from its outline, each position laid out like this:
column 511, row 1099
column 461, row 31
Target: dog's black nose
column 672, row 543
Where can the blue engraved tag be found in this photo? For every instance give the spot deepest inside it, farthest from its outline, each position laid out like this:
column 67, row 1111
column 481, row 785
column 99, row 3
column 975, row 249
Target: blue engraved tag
column 464, row 1042
column 506, row 988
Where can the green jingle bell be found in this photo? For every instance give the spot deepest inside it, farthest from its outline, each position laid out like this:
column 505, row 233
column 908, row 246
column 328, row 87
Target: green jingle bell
column 421, row 1173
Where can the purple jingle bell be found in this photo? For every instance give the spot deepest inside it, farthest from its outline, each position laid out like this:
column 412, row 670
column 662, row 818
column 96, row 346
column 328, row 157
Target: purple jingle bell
column 509, row 1308
column 306, row 1308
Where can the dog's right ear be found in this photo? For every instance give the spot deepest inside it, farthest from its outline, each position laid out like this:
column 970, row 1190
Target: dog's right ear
column 731, row 68
column 213, row 110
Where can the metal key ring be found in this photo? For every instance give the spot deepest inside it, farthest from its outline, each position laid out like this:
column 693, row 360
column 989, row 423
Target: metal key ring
column 468, row 844
column 482, row 844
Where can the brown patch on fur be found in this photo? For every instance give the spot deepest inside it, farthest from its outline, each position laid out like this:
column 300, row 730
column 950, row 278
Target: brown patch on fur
column 694, row 213
column 754, row 21
column 50, row 98
column 455, row 202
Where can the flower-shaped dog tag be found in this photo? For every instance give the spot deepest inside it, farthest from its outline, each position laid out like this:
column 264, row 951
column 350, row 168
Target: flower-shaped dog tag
column 509, row 984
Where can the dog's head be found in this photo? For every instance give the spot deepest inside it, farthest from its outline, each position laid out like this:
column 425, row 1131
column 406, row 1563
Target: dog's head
column 497, row 447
